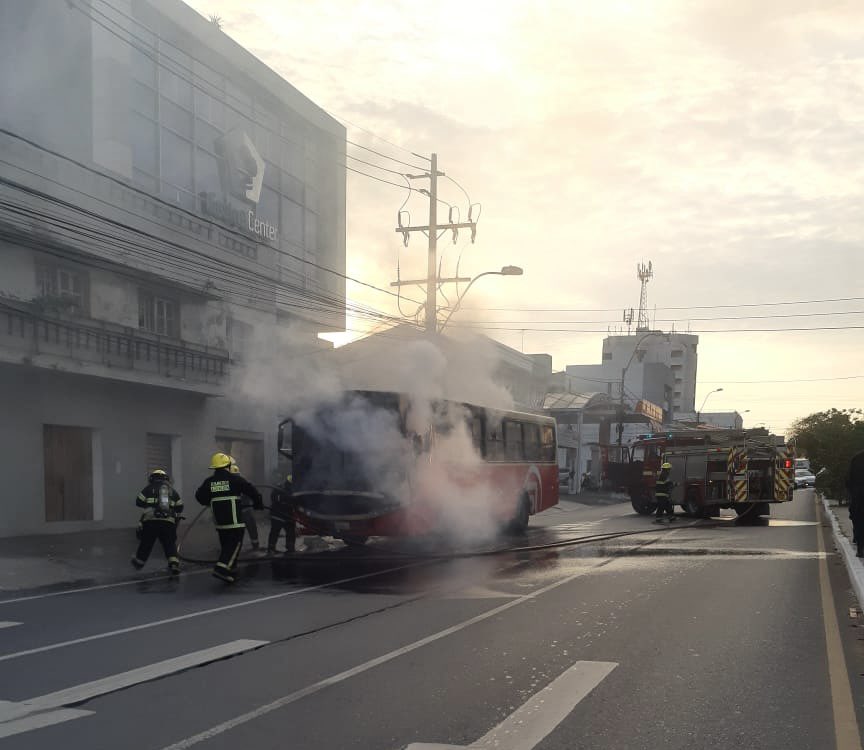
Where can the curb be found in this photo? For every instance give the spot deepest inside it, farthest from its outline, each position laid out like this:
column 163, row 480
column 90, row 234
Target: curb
column 853, row 565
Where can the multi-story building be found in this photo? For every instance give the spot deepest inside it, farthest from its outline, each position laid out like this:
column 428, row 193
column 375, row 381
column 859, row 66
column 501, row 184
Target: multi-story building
column 661, row 368
column 172, row 218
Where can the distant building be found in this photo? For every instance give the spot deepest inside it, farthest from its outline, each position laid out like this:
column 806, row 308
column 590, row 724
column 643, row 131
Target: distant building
column 662, row 371
column 168, row 209
column 729, row 420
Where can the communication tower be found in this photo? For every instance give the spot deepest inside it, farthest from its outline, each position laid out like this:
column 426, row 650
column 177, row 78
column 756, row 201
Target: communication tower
column 644, row 274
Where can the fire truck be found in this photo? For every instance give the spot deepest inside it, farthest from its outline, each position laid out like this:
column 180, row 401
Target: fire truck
column 746, row 470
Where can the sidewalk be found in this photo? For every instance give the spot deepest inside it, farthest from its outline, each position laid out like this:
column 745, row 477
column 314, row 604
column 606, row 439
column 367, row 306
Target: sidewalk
column 85, row 558
column 595, row 497
column 839, row 517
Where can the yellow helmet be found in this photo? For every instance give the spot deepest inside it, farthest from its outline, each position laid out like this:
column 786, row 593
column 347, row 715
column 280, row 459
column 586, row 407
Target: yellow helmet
column 220, row 461
column 235, row 469
column 289, row 478
column 666, row 465
column 159, row 473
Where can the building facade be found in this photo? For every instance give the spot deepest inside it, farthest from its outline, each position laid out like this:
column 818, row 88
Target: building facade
column 172, row 214
column 662, row 370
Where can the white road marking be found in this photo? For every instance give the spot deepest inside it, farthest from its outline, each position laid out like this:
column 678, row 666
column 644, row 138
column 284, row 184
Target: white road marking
column 199, row 613
column 10, row 711
column 847, row 736
column 367, row 665
column 37, row 721
column 526, row 727
column 131, row 582
column 8, row 624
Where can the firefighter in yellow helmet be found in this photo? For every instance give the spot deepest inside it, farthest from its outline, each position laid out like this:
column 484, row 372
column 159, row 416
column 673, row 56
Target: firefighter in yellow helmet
column 663, row 494
column 163, row 507
column 221, row 491
column 247, row 506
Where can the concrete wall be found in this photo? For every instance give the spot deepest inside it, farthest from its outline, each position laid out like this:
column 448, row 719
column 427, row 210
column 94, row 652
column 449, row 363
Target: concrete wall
column 122, row 414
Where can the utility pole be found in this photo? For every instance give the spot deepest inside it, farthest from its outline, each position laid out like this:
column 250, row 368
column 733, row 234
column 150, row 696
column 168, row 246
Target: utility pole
column 432, row 265
column 432, row 281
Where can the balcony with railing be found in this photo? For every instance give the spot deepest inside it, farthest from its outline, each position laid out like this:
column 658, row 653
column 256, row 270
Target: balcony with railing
column 39, row 338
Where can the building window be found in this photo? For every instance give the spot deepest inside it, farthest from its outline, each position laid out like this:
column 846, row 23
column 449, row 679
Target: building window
column 239, row 338
column 677, row 394
column 63, row 284
column 677, row 354
column 607, row 356
column 158, row 315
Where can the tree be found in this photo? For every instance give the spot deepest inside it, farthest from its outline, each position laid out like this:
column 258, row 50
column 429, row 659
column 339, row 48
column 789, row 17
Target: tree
column 829, row 439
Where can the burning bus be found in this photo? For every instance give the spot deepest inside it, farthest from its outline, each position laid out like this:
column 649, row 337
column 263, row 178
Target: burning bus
column 380, row 463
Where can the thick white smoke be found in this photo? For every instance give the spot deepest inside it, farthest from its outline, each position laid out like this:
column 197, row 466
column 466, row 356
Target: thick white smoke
column 441, row 466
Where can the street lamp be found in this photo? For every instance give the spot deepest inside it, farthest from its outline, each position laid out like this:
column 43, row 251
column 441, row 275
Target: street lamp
column 505, row 271
column 716, row 390
column 621, row 395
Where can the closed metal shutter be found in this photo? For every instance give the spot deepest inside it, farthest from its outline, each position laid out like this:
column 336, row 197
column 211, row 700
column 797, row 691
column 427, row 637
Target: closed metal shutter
column 158, row 452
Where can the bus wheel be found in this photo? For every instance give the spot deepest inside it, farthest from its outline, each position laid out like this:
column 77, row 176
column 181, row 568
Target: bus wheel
column 644, row 505
column 355, row 541
column 519, row 523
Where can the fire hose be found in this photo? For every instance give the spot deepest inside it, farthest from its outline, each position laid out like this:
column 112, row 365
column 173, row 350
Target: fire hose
column 416, row 555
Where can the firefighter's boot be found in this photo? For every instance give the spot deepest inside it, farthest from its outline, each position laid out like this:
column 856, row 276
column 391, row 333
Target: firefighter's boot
column 136, row 563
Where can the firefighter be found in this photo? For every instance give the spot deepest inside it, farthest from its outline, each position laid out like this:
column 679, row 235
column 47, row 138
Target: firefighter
column 163, row 507
column 222, row 491
column 281, row 517
column 246, row 506
column 663, row 494
column 855, row 486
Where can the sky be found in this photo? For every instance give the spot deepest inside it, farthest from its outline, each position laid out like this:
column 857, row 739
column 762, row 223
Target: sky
column 719, row 139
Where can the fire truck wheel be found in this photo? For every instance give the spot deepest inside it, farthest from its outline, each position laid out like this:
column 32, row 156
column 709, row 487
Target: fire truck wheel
column 710, row 511
column 519, row 523
column 355, row 541
column 644, row 505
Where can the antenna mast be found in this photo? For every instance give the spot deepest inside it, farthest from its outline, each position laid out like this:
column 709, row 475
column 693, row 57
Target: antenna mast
column 644, row 274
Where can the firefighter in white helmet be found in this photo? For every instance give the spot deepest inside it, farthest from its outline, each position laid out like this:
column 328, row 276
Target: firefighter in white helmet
column 163, row 507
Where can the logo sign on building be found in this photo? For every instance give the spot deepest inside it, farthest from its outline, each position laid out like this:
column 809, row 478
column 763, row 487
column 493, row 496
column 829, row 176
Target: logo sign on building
column 650, row 410
column 241, row 172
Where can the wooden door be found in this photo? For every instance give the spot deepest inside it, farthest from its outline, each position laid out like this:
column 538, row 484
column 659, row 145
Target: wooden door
column 68, row 473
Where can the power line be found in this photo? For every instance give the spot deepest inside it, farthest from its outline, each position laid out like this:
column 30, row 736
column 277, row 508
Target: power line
column 694, row 331
column 797, row 380
column 205, row 266
column 668, row 320
column 173, row 206
column 690, row 307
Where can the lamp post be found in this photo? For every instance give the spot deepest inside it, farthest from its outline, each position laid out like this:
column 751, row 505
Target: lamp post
column 505, row 271
column 698, row 413
column 621, row 394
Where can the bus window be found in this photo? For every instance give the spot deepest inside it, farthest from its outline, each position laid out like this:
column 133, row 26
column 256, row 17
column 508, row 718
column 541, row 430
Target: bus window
column 512, row 441
column 547, row 442
column 638, row 453
column 494, row 441
column 531, row 437
column 477, row 434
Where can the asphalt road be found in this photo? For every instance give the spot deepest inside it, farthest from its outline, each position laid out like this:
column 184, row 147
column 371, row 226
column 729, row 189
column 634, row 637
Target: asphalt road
column 697, row 635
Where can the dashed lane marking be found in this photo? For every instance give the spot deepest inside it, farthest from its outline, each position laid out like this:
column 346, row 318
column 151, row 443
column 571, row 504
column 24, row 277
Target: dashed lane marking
column 335, row 679
column 201, row 613
column 529, row 724
column 25, row 716
column 8, row 624
column 37, row 721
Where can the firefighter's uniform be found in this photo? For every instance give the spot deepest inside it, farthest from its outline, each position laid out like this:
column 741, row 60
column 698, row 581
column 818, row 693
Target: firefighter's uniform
column 282, row 517
column 663, row 493
column 163, row 506
column 222, row 492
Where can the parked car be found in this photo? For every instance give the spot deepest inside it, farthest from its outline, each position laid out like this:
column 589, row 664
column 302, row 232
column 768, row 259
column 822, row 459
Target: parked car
column 563, row 476
column 804, row 478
